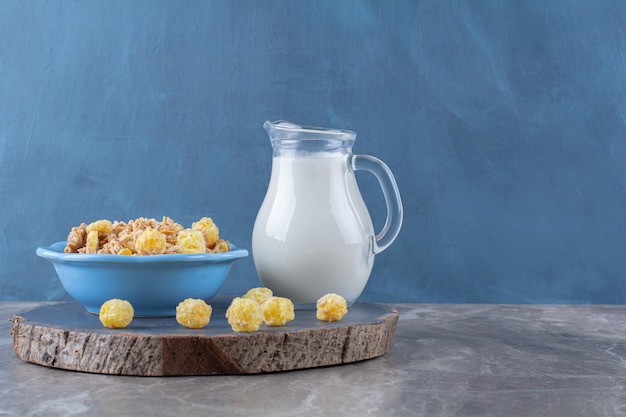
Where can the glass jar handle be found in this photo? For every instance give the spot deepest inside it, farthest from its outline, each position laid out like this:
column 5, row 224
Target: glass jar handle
column 387, row 182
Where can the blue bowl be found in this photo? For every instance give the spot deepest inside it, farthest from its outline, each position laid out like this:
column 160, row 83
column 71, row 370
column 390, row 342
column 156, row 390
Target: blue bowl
column 153, row 284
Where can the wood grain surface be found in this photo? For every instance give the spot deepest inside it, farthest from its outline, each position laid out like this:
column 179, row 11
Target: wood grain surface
column 66, row 336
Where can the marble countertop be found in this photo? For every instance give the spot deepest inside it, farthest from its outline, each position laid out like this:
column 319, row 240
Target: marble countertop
column 447, row 360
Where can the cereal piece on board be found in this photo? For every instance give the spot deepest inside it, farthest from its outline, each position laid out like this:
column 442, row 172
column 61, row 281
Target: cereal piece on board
column 244, row 315
column 116, row 313
column 259, row 294
column 277, row 311
column 331, row 307
column 193, row 313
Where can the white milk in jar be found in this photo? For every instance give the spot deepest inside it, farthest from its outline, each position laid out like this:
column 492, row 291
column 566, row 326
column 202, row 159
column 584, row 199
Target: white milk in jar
column 313, row 233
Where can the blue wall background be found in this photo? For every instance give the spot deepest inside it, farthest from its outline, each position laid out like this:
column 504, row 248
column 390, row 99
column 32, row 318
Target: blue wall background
column 504, row 123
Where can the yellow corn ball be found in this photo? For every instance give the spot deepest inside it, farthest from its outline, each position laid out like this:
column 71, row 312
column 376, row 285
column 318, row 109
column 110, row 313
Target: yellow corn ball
column 150, row 242
column 277, row 311
column 210, row 231
column 125, row 251
column 193, row 313
column 92, row 242
column 259, row 294
column 244, row 315
column 102, row 226
column 116, row 313
column 191, row 241
column 331, row 307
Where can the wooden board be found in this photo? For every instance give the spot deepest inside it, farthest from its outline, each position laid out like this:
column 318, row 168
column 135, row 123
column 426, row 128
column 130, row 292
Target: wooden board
column 66, row 336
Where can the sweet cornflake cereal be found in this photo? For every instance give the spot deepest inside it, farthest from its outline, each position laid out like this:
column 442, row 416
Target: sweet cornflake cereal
column 209, row 230
column 220, row 246
column 150, row 242
column 116, row 313
column 101, row 226
column 144, row 236
column 277, row 311
column 259, row 294
column 91, row 246
column 244, row 315
column 193, row 313
column 331, row 307
column 191, row 241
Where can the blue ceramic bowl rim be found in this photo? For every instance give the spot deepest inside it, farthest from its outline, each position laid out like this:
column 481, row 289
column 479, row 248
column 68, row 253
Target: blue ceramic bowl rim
column 55, row 252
